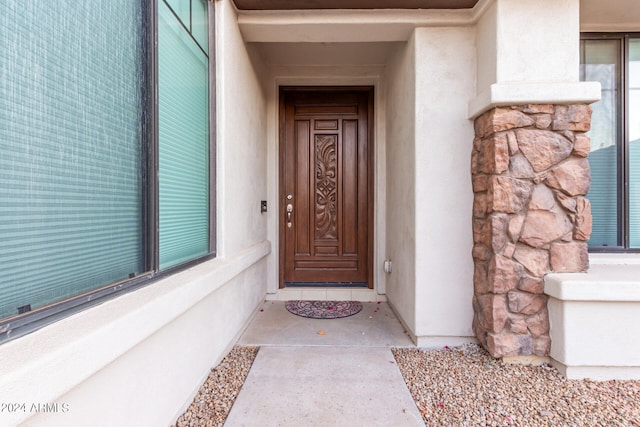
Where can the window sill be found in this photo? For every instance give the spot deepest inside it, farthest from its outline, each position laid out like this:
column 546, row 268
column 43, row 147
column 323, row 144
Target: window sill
column 590, row 315
column 611, row 277
column 605, row 281
column 64, row 354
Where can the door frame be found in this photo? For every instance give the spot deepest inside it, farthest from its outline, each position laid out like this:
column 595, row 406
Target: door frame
column 369, row 90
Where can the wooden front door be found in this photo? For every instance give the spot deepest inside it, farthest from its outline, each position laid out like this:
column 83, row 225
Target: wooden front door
column 326, row 198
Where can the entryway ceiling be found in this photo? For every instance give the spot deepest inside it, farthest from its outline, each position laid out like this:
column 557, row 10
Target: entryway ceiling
column 326, row 54
column 353, row 4
column 610, row 15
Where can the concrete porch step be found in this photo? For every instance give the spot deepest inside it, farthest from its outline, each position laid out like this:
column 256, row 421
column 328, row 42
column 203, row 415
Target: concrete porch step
column 324, row 386
column 325, row 372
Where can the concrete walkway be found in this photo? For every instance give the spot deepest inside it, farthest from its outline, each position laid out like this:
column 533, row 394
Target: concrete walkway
column 333, row 372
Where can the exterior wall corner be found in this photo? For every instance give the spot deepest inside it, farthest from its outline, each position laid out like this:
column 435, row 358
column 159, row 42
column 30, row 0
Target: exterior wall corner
column 530, row 217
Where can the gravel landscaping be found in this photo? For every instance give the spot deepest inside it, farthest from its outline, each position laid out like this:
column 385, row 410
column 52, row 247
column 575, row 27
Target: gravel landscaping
column 461, row 386
column 464, row 386
column 215, row 398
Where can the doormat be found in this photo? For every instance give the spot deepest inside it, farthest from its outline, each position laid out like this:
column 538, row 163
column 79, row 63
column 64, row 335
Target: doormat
column 323, row 309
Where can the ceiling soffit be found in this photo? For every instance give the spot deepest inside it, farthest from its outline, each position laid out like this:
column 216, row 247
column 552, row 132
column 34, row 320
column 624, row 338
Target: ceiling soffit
column 352, row 4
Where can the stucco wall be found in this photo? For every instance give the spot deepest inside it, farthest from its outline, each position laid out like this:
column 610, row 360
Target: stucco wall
column 311, row 64
column 445, row 59
column 242, row 151
column 401, row 182
column 140, row 358
column 528, row 53
column 513, row 37
column 528, row 32
column 486, row 48
column 153, row 382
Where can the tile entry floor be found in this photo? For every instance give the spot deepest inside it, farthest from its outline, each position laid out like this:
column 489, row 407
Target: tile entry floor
column 375, row 326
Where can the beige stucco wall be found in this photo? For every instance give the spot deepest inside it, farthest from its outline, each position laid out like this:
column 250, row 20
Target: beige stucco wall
column 423, row 139
column 401, row 182
column 445, row 59
column 283, row 68
column 528, row 53
column 406, row 208
column 242, row 151
column 486, row 48
column 528, row 31
column 591, row 316
column 154, row 379
column 515, row 36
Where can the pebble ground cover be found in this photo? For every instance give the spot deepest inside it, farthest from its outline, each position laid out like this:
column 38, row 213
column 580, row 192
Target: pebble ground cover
column 461, row 386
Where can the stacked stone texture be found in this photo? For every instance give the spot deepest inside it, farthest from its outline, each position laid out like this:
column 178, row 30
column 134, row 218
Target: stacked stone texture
column 530, row 217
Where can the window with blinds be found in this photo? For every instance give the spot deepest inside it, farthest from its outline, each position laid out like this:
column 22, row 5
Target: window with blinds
column 614, row 61
column 81, row 208
column 183, row 131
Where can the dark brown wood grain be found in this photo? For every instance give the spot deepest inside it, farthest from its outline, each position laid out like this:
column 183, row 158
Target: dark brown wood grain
column 326, row 167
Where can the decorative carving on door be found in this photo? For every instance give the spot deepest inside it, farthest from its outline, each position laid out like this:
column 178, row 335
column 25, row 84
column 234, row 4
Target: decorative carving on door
column 326, row 187
column 326, row 176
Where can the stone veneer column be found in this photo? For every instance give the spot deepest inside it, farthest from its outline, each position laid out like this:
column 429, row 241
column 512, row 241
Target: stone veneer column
column 530, row 217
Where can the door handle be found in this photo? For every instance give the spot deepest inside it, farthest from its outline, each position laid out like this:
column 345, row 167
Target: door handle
column 289, row 211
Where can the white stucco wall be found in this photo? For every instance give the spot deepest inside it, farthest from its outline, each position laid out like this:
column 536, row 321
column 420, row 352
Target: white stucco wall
column 429, row 195
column 593, row 317
column 445, row 59
column 242, row 126
column 400, row 105
column 487, row 48
column 401, row 182
column 329, row 68
column 528, row 52
column 139, row 359
column 537, row 40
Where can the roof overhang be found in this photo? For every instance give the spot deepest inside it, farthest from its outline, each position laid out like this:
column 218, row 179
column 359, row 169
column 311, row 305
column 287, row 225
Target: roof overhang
column 353, row 4
column 345, row 21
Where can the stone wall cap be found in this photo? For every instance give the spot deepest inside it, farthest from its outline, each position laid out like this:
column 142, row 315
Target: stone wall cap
column 520, row 93
column 603, row 282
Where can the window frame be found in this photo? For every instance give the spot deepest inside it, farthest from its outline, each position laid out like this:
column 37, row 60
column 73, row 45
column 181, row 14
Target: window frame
column 21, row 324
column 622, row 128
